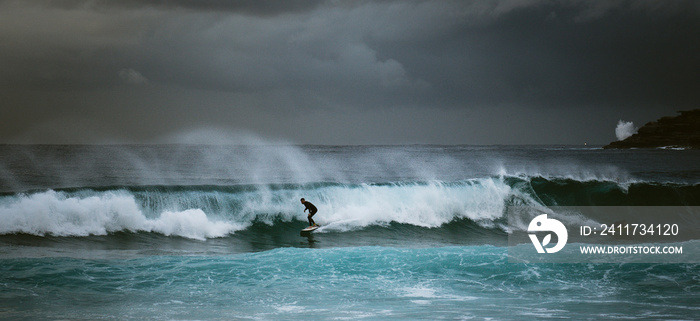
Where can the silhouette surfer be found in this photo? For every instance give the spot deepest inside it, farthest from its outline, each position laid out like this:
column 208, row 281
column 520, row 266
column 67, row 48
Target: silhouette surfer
column 312, row 210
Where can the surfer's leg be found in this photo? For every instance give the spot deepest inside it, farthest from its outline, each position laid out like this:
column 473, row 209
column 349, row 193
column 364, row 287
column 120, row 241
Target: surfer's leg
column 311, row 221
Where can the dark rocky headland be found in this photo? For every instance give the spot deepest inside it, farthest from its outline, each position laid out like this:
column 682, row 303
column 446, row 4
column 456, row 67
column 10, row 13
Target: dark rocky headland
column 682, row 131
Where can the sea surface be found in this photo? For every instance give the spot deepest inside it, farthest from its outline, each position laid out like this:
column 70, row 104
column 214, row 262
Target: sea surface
column 187, row 232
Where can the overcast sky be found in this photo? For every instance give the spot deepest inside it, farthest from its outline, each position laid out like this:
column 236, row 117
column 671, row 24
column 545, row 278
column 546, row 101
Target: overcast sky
column 336, row 72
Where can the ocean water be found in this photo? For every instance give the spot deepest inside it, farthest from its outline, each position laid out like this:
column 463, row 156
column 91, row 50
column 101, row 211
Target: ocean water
column 185, row 232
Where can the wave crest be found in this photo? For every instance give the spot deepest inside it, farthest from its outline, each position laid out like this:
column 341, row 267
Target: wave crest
column 201, row 212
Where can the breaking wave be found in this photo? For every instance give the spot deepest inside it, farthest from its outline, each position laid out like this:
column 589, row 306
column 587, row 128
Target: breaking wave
column 204, row 212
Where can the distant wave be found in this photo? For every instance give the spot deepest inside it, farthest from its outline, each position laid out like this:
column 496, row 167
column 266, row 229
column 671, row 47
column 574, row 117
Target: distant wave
column 202, row 212
column 571, row 192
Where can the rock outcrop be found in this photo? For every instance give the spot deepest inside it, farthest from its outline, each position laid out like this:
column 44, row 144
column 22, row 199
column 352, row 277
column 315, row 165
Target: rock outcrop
column 682, row 131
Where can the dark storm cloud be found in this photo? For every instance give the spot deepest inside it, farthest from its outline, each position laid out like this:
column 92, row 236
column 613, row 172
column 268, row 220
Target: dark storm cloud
column 357, row 72
column 255, row 7
column 560, row 54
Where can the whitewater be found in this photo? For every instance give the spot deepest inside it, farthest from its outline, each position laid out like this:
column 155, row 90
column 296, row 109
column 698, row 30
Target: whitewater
column 170, row 232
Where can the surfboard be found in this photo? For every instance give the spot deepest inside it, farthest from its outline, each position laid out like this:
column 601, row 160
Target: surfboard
column 307, row 231
column 310, row 229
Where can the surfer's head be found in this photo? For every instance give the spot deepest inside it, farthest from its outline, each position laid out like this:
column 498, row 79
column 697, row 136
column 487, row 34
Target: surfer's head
column 303, row 200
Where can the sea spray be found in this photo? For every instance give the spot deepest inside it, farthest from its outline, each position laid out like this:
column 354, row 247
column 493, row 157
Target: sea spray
column 26, row 168
column 624, row 129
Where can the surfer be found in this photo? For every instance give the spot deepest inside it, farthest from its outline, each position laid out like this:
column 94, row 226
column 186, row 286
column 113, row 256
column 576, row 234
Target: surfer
column 312, row 210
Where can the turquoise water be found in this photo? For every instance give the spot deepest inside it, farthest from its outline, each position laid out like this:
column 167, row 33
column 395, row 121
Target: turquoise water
column 345, row 283
column 409, row 232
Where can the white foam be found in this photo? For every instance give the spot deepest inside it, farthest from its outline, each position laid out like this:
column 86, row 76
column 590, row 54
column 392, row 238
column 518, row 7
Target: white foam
column 56, row 213
column 192, row 223
column 426, row 205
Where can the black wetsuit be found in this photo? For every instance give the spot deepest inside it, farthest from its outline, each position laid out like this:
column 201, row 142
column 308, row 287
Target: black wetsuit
column 312, row 210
